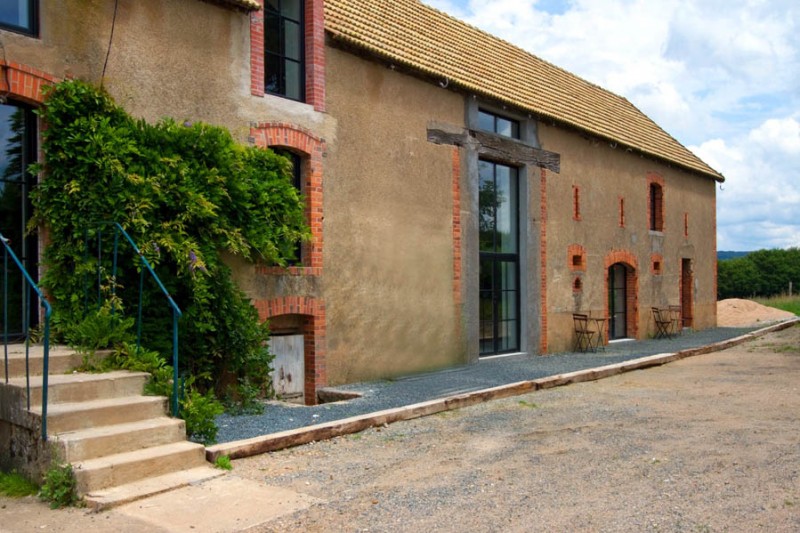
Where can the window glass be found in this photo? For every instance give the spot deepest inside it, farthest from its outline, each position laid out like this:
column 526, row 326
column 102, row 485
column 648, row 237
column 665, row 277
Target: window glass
column 292, row 42
column 284, row 61
column 485, row 121
column 496, row 124
column 17, row 15
column 291, row 9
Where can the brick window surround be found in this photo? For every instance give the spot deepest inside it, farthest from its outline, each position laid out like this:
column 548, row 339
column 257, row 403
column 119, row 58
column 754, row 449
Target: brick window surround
column 314, row 33
column 311, row 149
column 23, row 83
column 632, row 283
column 655, row 202
column 656, row 264
column 576, row 258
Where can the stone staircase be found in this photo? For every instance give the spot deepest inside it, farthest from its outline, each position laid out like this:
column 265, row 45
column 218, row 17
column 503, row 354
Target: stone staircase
column 121, row 444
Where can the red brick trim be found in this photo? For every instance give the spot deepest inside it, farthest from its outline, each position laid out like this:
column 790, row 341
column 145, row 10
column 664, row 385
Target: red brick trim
column 656, row 264
column 686, row 225
column 24, row 83
column 576, row 258
column 576, row 202
column 456, row 226
column 314, row 332
column 632, row 282
column 279, row 134
column 621, row 212
column 314, row 53
column 543, row 260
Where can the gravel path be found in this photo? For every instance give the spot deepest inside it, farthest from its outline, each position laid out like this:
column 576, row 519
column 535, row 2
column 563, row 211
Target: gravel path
column 380, row 395
column 706, row 444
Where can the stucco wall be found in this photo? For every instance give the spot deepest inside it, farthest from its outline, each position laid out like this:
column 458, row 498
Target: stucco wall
column 604, row 174
column 388, row 275
column 185, row 59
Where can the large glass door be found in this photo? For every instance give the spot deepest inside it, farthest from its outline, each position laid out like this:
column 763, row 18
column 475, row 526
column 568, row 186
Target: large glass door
column 17, row 152
column 499, row 259
column 618, row 301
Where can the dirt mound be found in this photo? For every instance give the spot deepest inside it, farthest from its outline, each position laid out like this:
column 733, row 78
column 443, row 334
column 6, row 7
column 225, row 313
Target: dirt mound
column 740, row 313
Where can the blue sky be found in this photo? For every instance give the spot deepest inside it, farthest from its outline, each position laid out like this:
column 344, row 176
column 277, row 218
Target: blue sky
column 721, row 76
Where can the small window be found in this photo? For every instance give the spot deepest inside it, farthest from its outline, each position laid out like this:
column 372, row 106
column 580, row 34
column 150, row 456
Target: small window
column 686, row 224
column 577, row 261
column 19, row 15
column 497, row 124
column 656, row 207
column 576, row 202
column 284, row 47
column 622, row 212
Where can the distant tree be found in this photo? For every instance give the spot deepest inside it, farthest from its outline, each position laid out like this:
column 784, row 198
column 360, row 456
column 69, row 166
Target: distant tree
column 762, row 273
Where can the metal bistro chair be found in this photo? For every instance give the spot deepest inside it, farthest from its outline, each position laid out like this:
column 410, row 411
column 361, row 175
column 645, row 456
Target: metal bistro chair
column 677, row 320
column 583, row 334
column 663, row 323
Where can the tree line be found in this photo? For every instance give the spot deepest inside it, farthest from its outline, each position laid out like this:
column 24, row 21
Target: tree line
column 763, row 273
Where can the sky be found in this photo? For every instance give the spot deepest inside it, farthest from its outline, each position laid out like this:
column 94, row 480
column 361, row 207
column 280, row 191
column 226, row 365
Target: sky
column 720, row 76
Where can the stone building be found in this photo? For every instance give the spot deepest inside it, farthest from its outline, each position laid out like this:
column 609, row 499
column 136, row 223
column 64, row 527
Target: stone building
column 465, row 197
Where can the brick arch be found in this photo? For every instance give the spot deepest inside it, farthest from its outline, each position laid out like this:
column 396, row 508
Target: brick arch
column 313, row 311
column 24, row 83
column 299, row 139
column 628, row 259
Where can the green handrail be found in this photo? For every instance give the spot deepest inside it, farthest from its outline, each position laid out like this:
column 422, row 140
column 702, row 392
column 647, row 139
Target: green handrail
column 176, row 312
column 8, row 252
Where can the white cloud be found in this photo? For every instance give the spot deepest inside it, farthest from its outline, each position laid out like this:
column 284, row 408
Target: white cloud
column 721, row 75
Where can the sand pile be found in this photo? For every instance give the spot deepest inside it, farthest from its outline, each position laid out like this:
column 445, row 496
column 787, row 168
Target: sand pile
column 740, row 313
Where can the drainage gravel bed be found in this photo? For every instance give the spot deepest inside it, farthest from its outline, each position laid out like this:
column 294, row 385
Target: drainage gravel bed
column 492, row 372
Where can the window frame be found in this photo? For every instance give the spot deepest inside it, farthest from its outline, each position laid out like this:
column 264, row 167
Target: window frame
column 656, row 211
column 281, row 55
column 496, row 118
column 32, row 28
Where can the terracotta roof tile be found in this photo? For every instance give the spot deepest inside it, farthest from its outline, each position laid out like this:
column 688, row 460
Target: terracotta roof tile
column 244, row 5
column 418, row 36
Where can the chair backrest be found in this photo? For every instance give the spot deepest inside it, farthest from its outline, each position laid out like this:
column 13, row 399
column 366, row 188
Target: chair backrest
column 657, row 315
column 580, row 321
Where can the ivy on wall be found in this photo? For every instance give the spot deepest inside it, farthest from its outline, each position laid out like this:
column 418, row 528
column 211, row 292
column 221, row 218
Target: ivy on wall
column 186, row 193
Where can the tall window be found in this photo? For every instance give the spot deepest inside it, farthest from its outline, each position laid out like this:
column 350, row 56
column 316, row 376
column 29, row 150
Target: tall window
column 19, row 15
column 297, row 174
column 17, row 152
column 284, row 48
column 656, row 207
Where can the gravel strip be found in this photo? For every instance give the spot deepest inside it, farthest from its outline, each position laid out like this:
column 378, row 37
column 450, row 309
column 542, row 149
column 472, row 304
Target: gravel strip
column 388, row 394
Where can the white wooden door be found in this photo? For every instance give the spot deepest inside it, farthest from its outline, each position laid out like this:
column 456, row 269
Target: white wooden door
column 288, row 375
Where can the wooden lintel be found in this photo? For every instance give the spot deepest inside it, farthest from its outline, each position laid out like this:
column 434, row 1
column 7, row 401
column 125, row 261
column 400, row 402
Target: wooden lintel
column 495, row 147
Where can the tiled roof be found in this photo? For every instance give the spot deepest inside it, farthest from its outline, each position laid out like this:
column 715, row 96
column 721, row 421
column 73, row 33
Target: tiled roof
column 410, row 33
column 244, row 5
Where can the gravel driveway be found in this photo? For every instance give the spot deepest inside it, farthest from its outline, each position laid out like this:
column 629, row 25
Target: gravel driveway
column 711, row 443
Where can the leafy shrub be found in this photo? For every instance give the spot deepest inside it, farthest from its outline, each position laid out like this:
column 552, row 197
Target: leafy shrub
column 187, row 193
column 223, row 462
column 15, row 485
column 60, row 486
column 199, row 411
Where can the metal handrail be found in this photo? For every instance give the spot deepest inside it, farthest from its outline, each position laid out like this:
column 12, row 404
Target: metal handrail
column 176, row 312
column 8, row 252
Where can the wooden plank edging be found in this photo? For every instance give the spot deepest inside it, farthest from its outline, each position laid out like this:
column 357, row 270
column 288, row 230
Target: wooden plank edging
column 337, row 428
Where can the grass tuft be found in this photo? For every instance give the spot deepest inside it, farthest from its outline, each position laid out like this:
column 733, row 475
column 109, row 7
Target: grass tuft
column 787, row 303
column 15, row 485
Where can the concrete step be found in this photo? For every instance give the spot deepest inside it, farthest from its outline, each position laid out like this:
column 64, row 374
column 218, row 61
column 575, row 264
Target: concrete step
column 78, row 387
column 99, row 500
column 124, row 468
column 61, row 360
column 91, row 443
column 63, row 417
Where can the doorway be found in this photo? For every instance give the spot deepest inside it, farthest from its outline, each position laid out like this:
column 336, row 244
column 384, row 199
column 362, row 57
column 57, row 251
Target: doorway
column 618, row 301
column 17, row 153
column 499, row 259
column 687, row 283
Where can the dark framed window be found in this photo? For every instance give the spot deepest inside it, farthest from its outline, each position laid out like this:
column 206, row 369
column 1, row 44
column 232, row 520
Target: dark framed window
column 284, row 48
column 499, row 291
column 498, row 124
column 297, row 181
column 18, row 134
column 656, row 207
column 20, row 16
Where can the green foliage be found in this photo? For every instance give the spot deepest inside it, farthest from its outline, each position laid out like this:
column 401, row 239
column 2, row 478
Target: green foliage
column 15, row 485
column 763, row 273
column 223, row 462
column 188, row 194
column 199, row 411
column 127, row 357
column 60, row 486
column 787, row 303
column 99, row 329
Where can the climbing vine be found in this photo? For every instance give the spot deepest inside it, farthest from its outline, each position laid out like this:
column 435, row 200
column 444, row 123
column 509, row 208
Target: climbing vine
column 188, row 194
